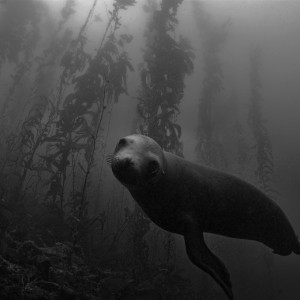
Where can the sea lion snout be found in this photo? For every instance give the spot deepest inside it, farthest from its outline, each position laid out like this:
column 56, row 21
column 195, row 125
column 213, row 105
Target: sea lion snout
column 122, row 164
column 124, row 169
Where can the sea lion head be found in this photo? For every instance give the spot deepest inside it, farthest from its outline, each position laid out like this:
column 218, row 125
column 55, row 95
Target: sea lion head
column 138, row 161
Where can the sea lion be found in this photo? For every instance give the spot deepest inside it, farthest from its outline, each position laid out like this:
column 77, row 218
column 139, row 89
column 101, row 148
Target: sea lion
column 188, row 199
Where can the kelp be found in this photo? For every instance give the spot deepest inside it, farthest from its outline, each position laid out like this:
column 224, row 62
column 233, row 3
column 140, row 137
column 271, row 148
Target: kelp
column 262, row 147
column 212, row 37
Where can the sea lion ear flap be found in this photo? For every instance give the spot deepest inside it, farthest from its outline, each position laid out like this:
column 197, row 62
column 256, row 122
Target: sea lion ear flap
column 202, row 257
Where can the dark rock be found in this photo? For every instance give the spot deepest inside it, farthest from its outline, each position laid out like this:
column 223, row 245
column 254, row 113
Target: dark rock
column 43, row 264
column 27, row 251
column 67, row 293
column 33, row 292
column 48, row 285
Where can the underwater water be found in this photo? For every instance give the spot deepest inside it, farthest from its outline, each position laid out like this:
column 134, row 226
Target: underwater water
column 215, row 82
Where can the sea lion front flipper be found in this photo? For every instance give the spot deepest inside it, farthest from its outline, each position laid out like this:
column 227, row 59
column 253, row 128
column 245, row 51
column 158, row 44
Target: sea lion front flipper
column 202, row 257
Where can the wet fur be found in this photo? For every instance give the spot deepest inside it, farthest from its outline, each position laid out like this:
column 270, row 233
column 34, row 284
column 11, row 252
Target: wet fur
column 190, row 199
column 222, row 204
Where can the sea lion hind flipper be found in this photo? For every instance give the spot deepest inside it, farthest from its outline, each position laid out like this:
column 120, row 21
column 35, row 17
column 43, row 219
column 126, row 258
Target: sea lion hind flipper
column 203, row 258
column 296, row 249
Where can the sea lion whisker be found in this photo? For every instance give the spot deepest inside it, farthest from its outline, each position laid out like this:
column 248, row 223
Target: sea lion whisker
column 108, row 158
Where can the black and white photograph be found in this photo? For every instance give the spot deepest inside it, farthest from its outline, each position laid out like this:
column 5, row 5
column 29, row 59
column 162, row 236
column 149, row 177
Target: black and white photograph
column 149, row 149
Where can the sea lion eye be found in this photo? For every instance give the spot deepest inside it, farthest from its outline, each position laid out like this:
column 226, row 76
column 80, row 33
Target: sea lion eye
column 153, row 168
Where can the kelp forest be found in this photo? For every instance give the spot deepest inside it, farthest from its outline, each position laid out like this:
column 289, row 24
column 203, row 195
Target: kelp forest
column 214, row 82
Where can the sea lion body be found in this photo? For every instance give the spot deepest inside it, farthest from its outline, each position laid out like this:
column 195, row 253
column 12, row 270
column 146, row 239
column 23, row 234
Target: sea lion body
column 188, row 199
column 221, row 203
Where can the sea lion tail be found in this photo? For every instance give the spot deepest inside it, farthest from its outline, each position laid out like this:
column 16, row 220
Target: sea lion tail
column 297, row 247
